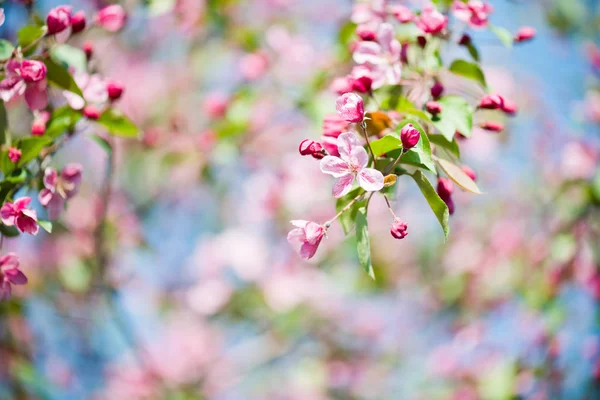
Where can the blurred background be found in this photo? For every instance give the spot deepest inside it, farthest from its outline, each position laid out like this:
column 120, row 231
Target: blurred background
column 173, row 279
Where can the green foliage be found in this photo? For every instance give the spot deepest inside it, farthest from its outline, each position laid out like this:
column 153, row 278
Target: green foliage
column 441, row 141
column 468, row 70
column 6, row 49
column 3, row 124
column 28, row 35
column 45, row 225
column 386, row 144
column 61, row 120
column 503, row 34
column 456, row 115
column 30, row 148
column 439, row 208
column 60, row 77
column 363, row 241
column 348, row 218
column 118, row 124
column 69, row 56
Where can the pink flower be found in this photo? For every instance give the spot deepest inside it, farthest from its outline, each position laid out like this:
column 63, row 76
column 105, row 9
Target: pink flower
column 330, row 145
column 475, row 12
column 399, row 229
column 309, row 147
column 524, row 34
column 381, row 57
column 437, row 90
column 2, row 16
column 334, row 125
column 14, row 155
column 254, row 65
column 112, row 18
column 491, row 102
column 402, row 13
column 59, row 19
column 444, row 190
column 341, row 85
column 78, row 22
column 59, row 188
column 469, row 171
column 350, row 106
column 17, row 214
column 309, row 234
column 216, row 104
column 366, row 32
column 410, row 136
column 10, row 274
column 38, row 127
column 114, row 89
column 351, row 165
column 492, row 126
column 431, row 20
column 433, row 107
column 362, row 79
column 93, row 87
column 28, row 78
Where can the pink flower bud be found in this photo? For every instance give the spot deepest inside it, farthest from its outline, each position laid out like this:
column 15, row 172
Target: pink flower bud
column 444, row 188
column 311, row 148
column 362, row 79
column 410, row 136
column 491, row 102
column 433, row 107
column 112, row 18
column 88, row 49
column 524, row 34
column 509, row 107
column 341, row 85
column 365, row 32
column 469, row 171
column 492, row 126
column 114, row 89
column 58, row 19
column 350, row 106
column 334, row 125
column 402, row 13
column 437, row 89
column 422, row 41
column 431, row 20
column 33, row 71
column 91, row 112
column 465, row 40
column 38, row 128
column 216, row 105
column 399, row 229
column 14, row 155
column 78, row 22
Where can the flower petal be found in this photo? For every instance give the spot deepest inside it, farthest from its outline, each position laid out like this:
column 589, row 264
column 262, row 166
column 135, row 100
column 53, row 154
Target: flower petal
column 346, row 142
column 15, row 276
column 36, row 97
column 359, row 157
column 343, row 185
column 334, row 166
column 368, row 52
column 370, row 179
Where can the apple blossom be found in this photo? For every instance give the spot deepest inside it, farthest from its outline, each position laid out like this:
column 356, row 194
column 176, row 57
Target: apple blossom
column 350, row 106
column 431, row 20
column 311, row 148
column 492, row 126
column 59, row 19
column 26, row 78
column 38, row 127
column 444, row 190
column 14, row 155
column 433, row 107
column 114, row 90
column 402, row 13
column 469, row 171
column 351, row 165
column 474, row 12
column 381, row 57
column 17, row 214
column 334, row 125
column 309, row 234
column 59, row 187
column 491, row 102
column 410, row 136
column 112, row 18
column 399, row 229
column 10, row 274
column 78, row 22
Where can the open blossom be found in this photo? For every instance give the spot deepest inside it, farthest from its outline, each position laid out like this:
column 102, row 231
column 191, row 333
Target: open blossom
column 309, row 234
column 402, row 13
column 10, row 274
column 431, row 20
column 93, row 87
column 112, row 18
column 350, row 165
column 17, row 214
column 475, row 12
column 350, row 106
column 58, row 188
column 26, row 77
column 381, row 57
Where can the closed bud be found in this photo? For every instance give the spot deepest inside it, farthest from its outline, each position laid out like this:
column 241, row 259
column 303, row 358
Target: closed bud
column 444, row 188
column 465, row 40
column 366, row 33
column 399, row 229
column 78, row 22
column 492, row 126
column 389, row 180
column 437, row 89
column 433, row 107
column 112, row 18
column 362, row 79
column 114, row 89
column 469, row 171
column 58, row 19
column 410, row 136
column 524, row 34
column 422, row 41
column 88, row 49
column 309, row 147
column 14, row 155
column 491, row 102
column 38, row 128
column 91, row 112
column 402, row 13
column 509, row 107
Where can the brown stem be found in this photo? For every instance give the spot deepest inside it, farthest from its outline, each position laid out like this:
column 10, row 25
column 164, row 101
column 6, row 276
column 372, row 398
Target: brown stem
column 363, row 125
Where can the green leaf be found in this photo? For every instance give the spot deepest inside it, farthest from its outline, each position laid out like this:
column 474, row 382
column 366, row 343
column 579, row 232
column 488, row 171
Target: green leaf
column 503, row 34
column 420, row 155
column 3, row 124
column 69, row 56
column 29, row 34
column 386, row 144
column 395, row 101
column 473, row 52
column 6, row 49
column 456, row 115
column 468, row 70
column 31, row 147
column 45, row 225
column 458, row 176
column 62, row 119
column 348, row 218
column 118, row 124
column 363, row 242
column 441, row 141
column 17, row 176
column 9, row 231
column 60, row 77
column 106, row 146
column 439, row 208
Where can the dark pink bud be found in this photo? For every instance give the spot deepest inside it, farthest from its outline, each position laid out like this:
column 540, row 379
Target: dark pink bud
column 38, row 128
column 404, row 53
column 33, row 71
column 491, row 102
column 362, row 79
column 402, row 13
column 14, row 155
column 444, row 188
column 433, row 107
column 509, row 107
column 399, row 229
column 88, row 49
column 78, row 22
column 334, row 125
column 410, row 136
column 342, row 85
column 459, row 136
column 469, row 171
column 114, row 89
column 422, row 41
column 364, row 32
column 465, row 40
column 91, row 112
column 492, row 126
column 58, row 19
column 311, row 148
column 330, row 145
column 437, row 89
column 524, row 34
